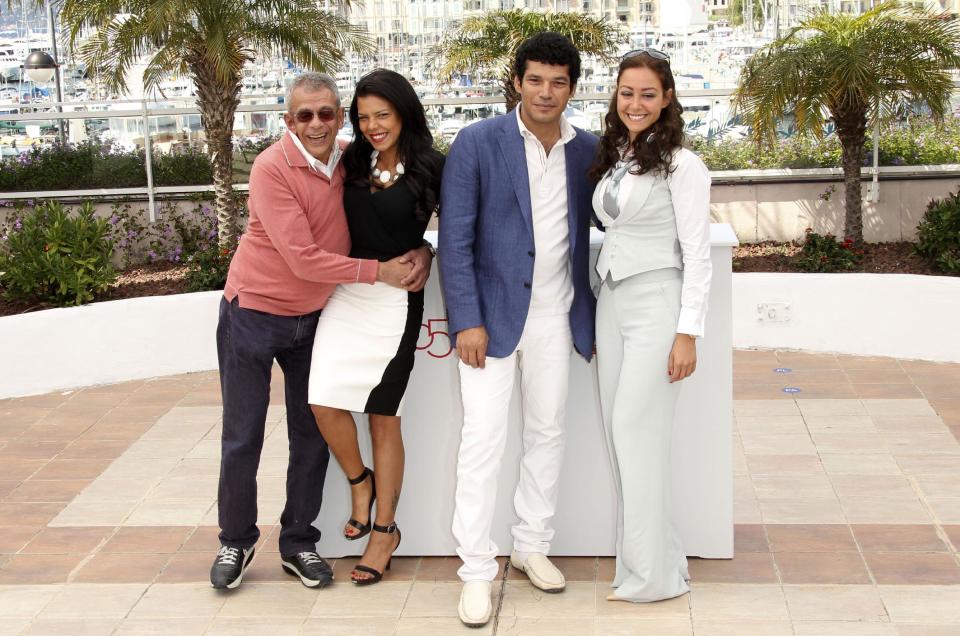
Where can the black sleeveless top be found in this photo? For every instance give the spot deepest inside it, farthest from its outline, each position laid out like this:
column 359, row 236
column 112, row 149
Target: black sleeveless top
column 383, row 223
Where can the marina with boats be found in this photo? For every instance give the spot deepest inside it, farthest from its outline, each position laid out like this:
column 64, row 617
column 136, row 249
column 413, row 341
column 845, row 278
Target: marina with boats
column 706, row 56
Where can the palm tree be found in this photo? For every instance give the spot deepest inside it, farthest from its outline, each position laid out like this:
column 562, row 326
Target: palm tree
column 856, row 70
column 490, row 42
column 208, row 41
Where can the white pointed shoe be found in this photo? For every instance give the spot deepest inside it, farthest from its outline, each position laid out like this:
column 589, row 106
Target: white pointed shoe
column 475, row 606
column 541, row 572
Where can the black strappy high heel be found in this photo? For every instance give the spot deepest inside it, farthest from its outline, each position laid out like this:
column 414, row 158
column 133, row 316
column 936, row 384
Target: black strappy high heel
column 377, row 575
column 364, row 528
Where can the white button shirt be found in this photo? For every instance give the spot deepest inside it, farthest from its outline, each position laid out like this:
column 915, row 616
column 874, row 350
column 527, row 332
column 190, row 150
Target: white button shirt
column 315, row 164
column 689, row 185
column 552, row 287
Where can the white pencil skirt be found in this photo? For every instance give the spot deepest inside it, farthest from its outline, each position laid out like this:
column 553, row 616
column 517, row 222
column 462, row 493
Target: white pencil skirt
column 364, row 348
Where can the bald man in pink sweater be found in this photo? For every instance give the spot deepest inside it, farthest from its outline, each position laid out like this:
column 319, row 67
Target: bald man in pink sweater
column 292, row 255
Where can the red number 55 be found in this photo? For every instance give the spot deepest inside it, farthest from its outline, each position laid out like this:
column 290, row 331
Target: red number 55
column 437, row 341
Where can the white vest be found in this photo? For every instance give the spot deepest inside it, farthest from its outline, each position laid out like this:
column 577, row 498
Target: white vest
column 643, row 236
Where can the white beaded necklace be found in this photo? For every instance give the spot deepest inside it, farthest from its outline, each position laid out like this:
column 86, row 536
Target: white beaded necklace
column 384, row 176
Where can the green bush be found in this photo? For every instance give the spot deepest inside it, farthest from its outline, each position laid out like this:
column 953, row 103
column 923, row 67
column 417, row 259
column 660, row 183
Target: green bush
column 207, row 269
column 128, row 231
column 938, row 235
column 182, row 167
column 179, row 233
column 95, row 164
column 825, row 254
column 919, row 142
column 109, row 169
column 56, row 256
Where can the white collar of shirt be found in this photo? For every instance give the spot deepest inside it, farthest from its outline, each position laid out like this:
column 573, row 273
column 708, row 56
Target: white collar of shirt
column 567, row 131
column 315, row 164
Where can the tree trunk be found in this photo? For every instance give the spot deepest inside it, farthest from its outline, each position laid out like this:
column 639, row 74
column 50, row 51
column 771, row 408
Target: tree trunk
column 509, row 92
column 218, row 103
column 851, row 129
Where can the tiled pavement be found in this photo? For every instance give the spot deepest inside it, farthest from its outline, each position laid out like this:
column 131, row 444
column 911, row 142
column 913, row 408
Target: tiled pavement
column 847, row 505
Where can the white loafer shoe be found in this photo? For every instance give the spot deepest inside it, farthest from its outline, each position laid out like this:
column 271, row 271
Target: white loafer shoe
column 540, row 571
column 475, row 606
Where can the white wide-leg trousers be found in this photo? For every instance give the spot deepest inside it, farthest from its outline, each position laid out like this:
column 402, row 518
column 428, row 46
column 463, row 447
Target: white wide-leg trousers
column 543, row 358
column 636, row 326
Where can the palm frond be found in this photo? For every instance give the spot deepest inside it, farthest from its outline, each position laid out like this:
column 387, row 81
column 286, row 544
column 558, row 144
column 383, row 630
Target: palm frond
column 871, row 63
column 489, row 42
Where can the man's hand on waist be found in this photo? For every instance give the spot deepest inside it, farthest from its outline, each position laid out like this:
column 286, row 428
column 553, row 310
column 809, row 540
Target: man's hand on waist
column 420, row 259
column 392, row 272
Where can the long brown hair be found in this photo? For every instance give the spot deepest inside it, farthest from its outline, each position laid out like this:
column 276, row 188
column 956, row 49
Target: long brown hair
column 655, row 155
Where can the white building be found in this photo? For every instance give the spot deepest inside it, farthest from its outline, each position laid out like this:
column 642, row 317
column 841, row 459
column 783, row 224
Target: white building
column 405, row 30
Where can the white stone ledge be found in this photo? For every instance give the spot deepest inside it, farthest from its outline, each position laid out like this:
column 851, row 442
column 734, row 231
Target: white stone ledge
column 895, row 315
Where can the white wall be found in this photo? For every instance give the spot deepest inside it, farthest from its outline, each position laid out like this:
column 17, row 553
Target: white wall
column 897, row 315
column 107, row 342
column 771, row 211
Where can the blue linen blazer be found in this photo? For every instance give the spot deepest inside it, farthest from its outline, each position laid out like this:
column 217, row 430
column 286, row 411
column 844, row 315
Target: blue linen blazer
column 486, row 249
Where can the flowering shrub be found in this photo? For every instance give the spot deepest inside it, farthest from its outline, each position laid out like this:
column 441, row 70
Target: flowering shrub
column 919, row 142
column 826, row 254
column 128, row 231
column 828, row 192
column 938, row 235
column 54, row 255
column 792, row 152
column 207, row 269
column 178, row 233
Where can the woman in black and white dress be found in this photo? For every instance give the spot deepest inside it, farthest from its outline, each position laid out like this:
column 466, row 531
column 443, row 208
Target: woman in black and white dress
column 367, row 334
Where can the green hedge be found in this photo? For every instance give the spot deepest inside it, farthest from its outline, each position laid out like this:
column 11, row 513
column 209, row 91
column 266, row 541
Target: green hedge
column 94, row 164
column 921, row 142
column 938, row 235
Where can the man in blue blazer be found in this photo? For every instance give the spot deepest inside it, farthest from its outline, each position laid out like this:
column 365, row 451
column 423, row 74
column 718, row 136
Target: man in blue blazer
column 514, row 245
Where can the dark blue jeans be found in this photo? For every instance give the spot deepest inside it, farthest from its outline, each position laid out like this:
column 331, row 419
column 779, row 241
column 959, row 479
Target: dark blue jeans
column 248, row 342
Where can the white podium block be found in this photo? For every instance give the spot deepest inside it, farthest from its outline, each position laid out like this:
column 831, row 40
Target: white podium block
column 586, row 512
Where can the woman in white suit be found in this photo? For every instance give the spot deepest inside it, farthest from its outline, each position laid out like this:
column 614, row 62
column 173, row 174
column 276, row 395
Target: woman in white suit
column 653, row 198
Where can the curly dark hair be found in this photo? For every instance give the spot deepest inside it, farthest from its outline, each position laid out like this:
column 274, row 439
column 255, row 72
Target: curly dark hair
column 548, row 47
column 667, row 131
column 422, row 164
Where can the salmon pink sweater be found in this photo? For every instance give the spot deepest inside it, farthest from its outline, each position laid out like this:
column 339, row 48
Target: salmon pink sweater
column 294, row 250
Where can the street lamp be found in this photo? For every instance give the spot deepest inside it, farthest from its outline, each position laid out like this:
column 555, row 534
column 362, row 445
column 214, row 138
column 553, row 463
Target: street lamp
column 40, row 67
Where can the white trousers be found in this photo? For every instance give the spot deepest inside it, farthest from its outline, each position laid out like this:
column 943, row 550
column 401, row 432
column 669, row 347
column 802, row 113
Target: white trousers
column 543, row 358
column 636, row 326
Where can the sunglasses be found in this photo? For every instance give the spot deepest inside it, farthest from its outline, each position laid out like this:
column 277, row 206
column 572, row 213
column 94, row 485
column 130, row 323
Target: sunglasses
column 654, row 53
column 306, row 116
